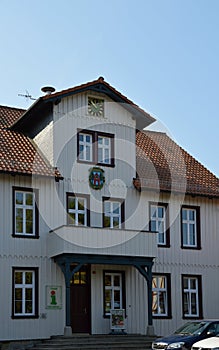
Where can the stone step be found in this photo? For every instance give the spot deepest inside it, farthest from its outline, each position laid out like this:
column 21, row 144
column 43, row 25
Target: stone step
column 103, row 342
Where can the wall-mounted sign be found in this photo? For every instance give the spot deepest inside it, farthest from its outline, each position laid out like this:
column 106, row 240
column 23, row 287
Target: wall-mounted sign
column 96, row 178
column 53, row 297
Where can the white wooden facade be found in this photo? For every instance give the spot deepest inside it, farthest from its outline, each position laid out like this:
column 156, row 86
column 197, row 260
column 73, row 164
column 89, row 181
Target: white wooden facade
column 58, row 142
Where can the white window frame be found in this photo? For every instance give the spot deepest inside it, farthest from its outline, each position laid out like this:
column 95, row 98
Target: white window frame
column 24, row 207
column 188, row 236
column 159, row 221
column 99, row 153
column 86, row 145
column 24, row 286
column 159, row 292
column 103, row 147
column 189, row 293
column 113, row 288
column 111, row 213
column 77, row 211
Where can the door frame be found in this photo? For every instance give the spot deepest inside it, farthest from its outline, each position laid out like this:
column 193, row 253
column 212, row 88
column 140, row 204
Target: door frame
column 87, row 269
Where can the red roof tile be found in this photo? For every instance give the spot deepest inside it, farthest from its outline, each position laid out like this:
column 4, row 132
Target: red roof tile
column 163, row 165
column 18, row 153
column 9, row 115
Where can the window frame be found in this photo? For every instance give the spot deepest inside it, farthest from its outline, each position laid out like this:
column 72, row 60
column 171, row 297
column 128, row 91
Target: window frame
column 94, row 144
column 166, row 221
column 122, row 211
column 197, row 245
column 35, row 301
column 87, row 209
column 168, row 314
column 123, row 292
column 35, row 234
column 199, row 314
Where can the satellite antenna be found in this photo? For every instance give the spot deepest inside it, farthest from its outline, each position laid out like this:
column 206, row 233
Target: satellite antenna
column 27, row 96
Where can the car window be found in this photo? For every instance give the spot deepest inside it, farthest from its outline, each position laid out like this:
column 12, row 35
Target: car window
column 213, row 329
column 192, row 328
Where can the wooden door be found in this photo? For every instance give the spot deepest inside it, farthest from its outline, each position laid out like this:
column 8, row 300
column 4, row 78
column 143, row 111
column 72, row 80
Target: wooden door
column 80, row 301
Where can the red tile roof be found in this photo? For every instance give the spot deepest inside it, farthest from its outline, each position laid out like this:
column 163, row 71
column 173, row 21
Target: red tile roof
column 163, row 165
column 18, row 153
column 9, row 115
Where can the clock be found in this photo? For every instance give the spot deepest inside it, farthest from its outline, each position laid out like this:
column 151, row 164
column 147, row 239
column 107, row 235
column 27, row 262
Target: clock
column 95, row 106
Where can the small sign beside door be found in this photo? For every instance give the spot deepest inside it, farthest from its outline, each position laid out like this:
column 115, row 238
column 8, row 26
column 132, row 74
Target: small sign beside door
column 53, row 297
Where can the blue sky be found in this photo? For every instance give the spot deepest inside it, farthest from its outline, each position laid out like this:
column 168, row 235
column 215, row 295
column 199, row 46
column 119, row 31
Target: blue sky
column 162, row 54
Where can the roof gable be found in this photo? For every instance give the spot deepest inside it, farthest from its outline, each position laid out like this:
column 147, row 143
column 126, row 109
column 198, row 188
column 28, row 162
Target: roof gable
column 44, row 103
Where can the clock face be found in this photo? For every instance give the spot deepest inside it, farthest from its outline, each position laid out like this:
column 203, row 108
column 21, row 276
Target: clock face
column 95, row 106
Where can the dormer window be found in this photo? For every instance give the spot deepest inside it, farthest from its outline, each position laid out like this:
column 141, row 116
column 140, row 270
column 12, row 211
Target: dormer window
column 96, row 147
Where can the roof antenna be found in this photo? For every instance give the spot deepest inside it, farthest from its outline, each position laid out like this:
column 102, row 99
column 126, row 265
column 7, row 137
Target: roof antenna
column 27, row 96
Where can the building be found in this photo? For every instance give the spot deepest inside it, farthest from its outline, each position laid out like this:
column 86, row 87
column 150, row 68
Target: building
column 99, row 215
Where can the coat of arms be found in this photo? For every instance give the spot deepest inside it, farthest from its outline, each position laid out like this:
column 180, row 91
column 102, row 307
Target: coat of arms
column 96, row 178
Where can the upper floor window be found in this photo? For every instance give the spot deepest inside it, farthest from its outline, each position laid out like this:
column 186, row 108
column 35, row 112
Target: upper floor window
column 96, row 147
column 25, row 212
column 190, row 227
column 161, row 296
column 159, row 223
column 191, row 296
column 25, row 292
column 113, row 213
column 85, row 147
column 104, row 150
column 77, row 209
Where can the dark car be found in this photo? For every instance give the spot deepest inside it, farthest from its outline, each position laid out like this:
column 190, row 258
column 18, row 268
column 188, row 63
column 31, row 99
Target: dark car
column 187, row 335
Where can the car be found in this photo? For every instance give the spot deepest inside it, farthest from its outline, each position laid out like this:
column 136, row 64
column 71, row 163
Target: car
column 211, row 343
column 184, row 337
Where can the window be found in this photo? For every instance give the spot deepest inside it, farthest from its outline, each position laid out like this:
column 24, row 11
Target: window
column 25, row 213
column 25, row 292
column 190, row 227
column 104, row 149
column 159, row 222
column 114, row 291
column 191, row 296
column 161, row 297
column 85, row 147
column 113, row 213
column 96, row 147
column 77, row 209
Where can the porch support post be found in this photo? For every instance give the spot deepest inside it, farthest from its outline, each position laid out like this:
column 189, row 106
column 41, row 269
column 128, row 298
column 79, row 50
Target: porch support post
column 68, row 273
column 147, row 274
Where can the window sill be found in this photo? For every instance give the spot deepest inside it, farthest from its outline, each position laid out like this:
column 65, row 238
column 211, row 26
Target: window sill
column 25, row 236
column 112, row 165
column 190, row 247
column 24, row 317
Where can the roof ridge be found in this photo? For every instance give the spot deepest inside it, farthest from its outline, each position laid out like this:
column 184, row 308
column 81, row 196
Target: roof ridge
column 154, row 131
column 9, row 107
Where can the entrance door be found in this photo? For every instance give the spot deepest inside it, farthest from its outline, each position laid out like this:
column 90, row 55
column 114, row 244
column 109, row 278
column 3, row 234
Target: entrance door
column 80, row 301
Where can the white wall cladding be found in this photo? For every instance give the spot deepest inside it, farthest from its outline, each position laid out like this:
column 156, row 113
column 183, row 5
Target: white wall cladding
column 177, row 261
column 25, row 252
column 42, row 139
column 29, row 328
